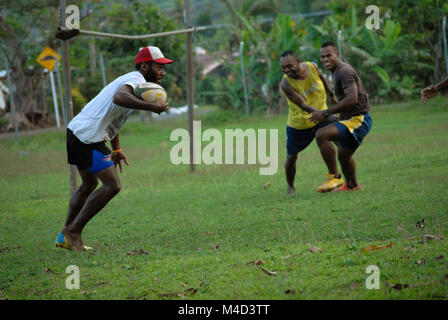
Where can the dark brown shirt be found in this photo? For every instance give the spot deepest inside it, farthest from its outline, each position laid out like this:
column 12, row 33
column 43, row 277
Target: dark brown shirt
column 343, row 76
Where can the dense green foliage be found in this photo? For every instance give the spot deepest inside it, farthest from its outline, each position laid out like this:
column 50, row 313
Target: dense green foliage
column 119, row 54
column 395, row 62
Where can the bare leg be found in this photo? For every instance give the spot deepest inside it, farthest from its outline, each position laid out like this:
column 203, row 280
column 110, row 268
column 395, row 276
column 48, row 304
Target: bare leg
column 324, row 136
column 89, row 184
column 94, row 203
column 290, row 170
column 348, row 166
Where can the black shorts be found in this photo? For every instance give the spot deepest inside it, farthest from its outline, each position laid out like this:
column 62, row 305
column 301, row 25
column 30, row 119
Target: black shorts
column 81, row 154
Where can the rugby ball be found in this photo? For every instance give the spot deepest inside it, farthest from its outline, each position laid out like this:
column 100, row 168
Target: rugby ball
column 151, row 92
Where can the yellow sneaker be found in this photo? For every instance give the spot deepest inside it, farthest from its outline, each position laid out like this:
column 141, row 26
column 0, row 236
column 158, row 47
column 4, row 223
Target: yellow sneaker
column 331, row 183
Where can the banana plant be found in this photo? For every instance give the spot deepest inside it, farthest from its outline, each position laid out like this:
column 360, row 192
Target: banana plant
column 371, row 52
column 265, row 49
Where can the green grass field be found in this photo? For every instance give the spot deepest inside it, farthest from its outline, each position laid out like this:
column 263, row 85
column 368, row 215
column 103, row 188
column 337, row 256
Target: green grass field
column 201, row 233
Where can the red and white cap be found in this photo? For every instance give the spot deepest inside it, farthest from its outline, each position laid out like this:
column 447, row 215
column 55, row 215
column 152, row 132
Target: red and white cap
column 151, row 54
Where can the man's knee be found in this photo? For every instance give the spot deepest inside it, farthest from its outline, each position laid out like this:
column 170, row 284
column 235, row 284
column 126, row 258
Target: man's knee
column 327, row 134
column 322, row 136
column 113, row 188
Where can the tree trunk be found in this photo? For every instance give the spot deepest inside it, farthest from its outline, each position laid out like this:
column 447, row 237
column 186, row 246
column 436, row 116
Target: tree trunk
column 26, row 82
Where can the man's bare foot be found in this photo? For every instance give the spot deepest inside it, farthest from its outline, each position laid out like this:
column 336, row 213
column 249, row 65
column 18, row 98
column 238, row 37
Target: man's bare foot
column 74, row 240
column 291, row 190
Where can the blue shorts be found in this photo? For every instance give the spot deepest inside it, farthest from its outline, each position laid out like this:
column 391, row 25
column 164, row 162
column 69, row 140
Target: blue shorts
column 297, row 140
column 353, row 130
column 100, row 161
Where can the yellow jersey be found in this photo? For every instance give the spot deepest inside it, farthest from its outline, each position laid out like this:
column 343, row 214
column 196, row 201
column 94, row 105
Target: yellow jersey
column 312, row 90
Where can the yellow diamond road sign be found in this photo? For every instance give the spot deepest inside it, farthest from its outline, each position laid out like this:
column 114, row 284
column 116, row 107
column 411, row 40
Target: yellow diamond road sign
column 47, row 58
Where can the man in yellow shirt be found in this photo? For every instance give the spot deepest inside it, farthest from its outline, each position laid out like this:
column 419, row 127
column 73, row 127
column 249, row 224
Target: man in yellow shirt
column 305, row 90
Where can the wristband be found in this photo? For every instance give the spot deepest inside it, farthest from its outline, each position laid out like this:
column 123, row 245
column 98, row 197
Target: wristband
column 325, row 113
column 116, row 151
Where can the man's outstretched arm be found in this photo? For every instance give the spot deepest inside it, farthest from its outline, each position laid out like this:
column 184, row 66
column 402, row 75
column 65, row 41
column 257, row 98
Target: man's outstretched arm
column 432, row 90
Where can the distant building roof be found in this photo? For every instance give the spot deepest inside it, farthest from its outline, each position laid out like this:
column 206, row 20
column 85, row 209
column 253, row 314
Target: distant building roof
column 208, row 62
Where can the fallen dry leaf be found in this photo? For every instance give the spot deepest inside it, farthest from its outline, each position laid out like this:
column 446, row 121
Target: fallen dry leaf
column 293, row 292
column 294, row 255
column 207, row 233
column 86, row 292
column 397, row 286
column 164, row 144
column 3, row 249
column 48, row 270
column 410, row 249
column 400, row 286
column 315, row 249
column 267, row 185
column 258, row 262
column 271, row 273
column 370, row 248
column 291, row 256
column 191, row 290
column 429, row 237
column 137, row 252
column 170, row 294
column 422, row 284
column 214, row 247
column 400, row 228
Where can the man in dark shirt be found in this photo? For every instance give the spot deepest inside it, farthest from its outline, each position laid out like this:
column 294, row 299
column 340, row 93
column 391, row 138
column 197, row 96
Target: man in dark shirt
column 355, row 122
